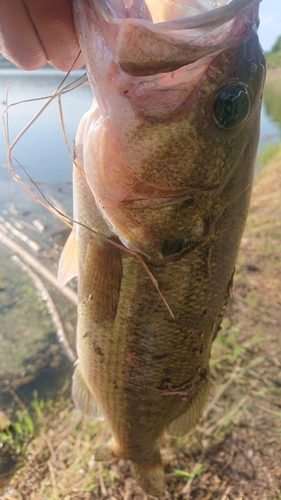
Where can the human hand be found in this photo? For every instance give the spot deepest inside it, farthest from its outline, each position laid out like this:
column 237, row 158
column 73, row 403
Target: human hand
column 33, row 32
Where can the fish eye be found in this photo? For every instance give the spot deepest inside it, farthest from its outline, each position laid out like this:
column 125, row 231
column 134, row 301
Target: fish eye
column 231, row 107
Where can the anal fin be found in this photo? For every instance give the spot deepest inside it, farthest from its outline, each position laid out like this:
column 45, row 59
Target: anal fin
column 188, row 421
column 105, row 452
column 82, row 397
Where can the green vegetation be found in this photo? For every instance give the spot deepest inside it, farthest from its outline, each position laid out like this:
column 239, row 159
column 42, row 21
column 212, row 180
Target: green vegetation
column 268, row 152
column 197, row 471
column 20, row 433
column 17, row 435
column 272, row 99
column 274, row 56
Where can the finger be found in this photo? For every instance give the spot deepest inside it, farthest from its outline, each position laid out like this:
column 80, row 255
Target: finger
column 53, row 20
column 19, row 41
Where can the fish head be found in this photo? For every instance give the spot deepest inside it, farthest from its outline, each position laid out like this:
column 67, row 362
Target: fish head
column 178, row 87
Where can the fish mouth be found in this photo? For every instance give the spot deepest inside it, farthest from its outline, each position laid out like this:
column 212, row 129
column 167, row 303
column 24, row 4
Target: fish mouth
column 174, row 14
column 149, row 37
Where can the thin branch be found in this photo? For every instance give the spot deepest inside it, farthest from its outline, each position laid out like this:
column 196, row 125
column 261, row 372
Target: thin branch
column 65, row 137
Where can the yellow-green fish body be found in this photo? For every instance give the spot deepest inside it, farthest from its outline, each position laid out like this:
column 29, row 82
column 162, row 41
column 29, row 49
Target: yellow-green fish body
column 166, row 158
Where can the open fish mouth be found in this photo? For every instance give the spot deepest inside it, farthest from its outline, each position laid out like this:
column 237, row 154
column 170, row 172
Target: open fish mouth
column 154, row 67
column 150, row 37
column 203, row 12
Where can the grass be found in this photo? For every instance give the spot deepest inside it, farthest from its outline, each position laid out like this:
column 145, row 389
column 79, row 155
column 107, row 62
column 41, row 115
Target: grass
column 268, row 153
column 26, row 425
column 242, row 416
column 65, row 444
column 197, row 471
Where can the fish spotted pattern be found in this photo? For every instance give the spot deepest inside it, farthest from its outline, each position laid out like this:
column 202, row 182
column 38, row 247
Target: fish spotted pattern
column 166, row 157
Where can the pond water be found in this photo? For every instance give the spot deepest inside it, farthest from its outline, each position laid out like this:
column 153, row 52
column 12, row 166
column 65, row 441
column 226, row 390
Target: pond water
column 42, row 150
column 30, row 355
column 43, row 153
column 270, row 130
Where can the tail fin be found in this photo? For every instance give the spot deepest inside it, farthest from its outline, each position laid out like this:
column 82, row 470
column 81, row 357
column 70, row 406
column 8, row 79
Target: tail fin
column 150, row 477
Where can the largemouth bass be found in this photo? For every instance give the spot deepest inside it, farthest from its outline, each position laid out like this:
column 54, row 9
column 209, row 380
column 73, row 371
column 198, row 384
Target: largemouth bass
column 165, row 164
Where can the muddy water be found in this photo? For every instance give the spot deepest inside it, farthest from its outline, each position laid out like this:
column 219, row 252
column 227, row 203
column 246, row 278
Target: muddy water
column 30, row 355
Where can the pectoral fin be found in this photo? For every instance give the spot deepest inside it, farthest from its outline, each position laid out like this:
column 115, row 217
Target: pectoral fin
column 100, row 282
column 188, row 421
column 82, row 397
column 68, row 263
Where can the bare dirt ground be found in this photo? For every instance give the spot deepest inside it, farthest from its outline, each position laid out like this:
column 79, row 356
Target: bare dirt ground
column 235, row 453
